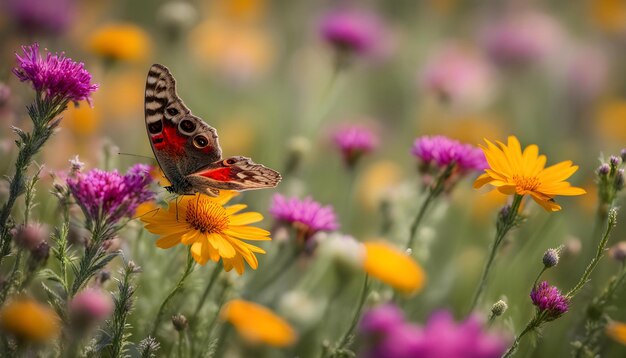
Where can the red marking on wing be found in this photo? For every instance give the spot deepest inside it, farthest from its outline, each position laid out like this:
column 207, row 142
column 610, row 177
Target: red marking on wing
column 220, row 174
column 172, row 140
column 158, row 141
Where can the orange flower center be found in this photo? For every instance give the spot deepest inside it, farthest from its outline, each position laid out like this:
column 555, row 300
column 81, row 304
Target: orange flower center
column 523, row 183
column 206, row 216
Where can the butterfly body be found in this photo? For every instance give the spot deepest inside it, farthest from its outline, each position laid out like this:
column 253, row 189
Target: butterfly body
column 187, row 148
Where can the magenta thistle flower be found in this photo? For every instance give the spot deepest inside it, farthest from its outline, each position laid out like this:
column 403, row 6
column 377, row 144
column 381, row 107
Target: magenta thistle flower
column 107, row 197
column 441, row 337
column 56, row 76
column 548, row 299
column 354, row 31
column 442, row 151
column 307, row 216
column 354, row 141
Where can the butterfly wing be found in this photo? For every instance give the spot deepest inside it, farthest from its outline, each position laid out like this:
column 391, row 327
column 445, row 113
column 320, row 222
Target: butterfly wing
column 182, row 143
column 236, row 173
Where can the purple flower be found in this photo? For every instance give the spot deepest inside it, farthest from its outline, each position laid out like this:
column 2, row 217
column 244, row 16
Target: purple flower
column 458, row 76
column 548, row 299
column 443, row 151
column 110, row 196
column 90, row 305
column 56, row 76
column 441, row 337
column 307, row 216
column 522, row 38
column 354, row 141
column 354, row 31
column 42, row 16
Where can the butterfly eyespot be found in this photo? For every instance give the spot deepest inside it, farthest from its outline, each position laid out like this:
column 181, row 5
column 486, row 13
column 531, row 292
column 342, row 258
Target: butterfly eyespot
column 200, row 141
column 229, row 161
column 187, row 126
column 155, row 127
column 172, row 111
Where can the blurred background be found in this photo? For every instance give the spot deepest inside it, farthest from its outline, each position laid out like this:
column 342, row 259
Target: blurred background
column 275, row 86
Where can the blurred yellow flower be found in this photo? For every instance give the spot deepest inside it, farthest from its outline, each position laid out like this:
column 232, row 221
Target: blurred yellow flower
column 82, row 120
column 258, row 324
column 609, row 15
column 393, row 267
column 120, row 41
column 122, row 94
column 513, row 172
column 240, row 52
column 29, row 320
column 377, row 180
column 610, row 120
column 238, row 10
column 236, row 135
column 212, row 230
column 617, row 331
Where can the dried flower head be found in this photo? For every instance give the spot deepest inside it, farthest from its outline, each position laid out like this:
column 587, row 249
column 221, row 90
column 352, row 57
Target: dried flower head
column 56, row 76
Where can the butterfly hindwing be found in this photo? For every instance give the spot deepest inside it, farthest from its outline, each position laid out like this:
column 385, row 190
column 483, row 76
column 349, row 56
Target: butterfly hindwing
column 238, row 173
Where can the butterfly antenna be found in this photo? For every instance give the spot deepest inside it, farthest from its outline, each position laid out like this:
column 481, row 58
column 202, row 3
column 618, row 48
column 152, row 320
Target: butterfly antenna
column 155, row 210
column 135, row 155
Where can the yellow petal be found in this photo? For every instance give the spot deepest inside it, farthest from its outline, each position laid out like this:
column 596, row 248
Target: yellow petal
column 617, row 331
column 235, row 208
column 245, row 218
column 168, row 241
column 248, row 232
column 221, row 244
column 393, row 267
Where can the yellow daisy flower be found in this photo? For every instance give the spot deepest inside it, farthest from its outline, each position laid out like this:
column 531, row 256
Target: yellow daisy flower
column 212, row 230
column 120, row 41
column 258, row 324
column 29, row 320
column 393, row 267
column 515, row 172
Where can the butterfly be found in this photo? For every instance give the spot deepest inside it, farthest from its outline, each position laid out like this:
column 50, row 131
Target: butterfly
column 187, row 148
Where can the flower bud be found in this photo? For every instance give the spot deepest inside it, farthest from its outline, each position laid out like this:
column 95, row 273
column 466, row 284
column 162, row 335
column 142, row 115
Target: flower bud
column 604, row 169
column 499, row 308
column 180, row 322
column 76, row 166
column 90, row 306
column 622, row 154
column 30, row 236
column 619, row 180
column 614, row 161
column 551, row 257
column 618, row 252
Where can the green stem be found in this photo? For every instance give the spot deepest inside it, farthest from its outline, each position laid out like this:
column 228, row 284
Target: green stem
column 433, row 192
column 539, row 276
column 214, row 275
column 533, row 324
column 503, row 229
column 12, row 281
column 611, row 223
column 357, row 314
column 173, row 292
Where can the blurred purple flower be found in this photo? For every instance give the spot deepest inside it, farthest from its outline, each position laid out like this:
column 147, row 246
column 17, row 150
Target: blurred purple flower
column 354, row 31
column 522, row 38
column 549, row 299
column 354, row 141
column 41, row 16
column 443, row 151
column 441, row 337
column 57, row 76
column 587, row 71
column 459, row 76
column 110, row 196
column 307, row 216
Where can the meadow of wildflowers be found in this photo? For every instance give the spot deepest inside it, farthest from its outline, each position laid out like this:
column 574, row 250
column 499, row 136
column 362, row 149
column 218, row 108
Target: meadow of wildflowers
column 451, row 178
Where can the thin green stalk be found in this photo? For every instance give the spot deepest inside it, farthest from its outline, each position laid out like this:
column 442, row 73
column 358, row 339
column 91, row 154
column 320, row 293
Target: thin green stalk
column 611, row 223
column 13, row 278
column 214, row 275
column 357, row 315
column 532, row 325
column 173, row 292
column 503, row 228
column 433, row 192
column 277, row 273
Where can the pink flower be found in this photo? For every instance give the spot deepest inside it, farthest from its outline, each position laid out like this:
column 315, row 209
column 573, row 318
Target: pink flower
column 307, row 216
column 354, row 141
column 91, row 305
column 459, row 77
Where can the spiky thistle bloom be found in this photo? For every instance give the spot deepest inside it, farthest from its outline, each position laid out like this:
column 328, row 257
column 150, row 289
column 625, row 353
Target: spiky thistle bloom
column 106, row 197
column 548, row 299
column 512, row 171
column 55, row 76
column 442, row 151
column 354, row 141
column 212, row 230
column 353, row 31
column 307, row 216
